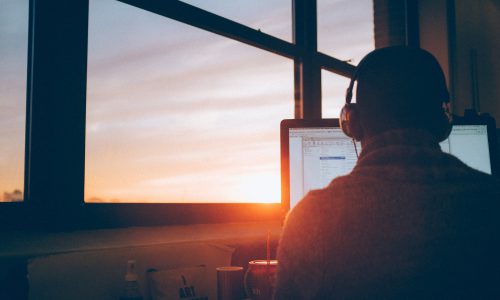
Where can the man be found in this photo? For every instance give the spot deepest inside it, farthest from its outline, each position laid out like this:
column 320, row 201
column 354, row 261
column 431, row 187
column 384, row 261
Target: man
column 409, row 221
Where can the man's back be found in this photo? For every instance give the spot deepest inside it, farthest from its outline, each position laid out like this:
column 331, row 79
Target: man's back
column 408, row 222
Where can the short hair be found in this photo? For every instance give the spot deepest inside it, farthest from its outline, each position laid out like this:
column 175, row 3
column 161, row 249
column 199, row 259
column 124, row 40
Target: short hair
column 400, row 87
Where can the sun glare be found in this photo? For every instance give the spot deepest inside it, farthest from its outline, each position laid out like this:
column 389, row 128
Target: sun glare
column 261, row 187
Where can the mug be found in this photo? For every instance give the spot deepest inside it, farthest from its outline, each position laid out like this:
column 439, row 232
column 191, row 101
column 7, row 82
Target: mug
column 260, row 279
column 230, row 283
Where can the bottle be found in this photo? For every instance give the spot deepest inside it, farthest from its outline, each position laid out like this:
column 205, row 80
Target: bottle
column 131, row 290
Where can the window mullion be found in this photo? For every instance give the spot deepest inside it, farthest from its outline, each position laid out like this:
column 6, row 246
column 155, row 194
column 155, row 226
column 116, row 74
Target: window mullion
column 56, row 107
column 307, row 70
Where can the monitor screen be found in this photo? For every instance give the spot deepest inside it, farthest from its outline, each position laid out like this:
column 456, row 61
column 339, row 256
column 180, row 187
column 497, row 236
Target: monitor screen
column 315, row 152
column 470, row 144
column 317, row 155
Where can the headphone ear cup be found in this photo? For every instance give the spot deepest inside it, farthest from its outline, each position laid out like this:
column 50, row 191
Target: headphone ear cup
column 349, row 121
column 345, row 116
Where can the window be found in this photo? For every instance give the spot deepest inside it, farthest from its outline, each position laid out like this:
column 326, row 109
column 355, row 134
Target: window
column 168, row 110
column 177, row 114
column 346, row 29
column 333, row 94
column 13, row 62
column 271, row 17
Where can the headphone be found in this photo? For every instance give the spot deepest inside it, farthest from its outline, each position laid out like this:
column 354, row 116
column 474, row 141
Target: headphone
column 349, row 114
column 349, row 119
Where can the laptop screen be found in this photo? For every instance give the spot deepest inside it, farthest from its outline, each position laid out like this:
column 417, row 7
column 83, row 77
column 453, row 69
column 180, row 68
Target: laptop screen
column 314, row 152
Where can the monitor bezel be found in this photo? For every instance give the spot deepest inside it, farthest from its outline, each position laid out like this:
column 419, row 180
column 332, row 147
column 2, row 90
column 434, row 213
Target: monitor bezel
column 285, row 126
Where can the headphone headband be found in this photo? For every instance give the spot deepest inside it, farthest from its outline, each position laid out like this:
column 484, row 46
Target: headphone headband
column 360, row 66
column 349, row 115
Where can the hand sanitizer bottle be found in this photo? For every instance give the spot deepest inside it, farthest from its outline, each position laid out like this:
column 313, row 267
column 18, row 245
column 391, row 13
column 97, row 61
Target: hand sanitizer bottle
column 131, row 290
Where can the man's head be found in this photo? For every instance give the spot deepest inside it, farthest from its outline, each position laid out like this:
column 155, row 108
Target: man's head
column 398, row 87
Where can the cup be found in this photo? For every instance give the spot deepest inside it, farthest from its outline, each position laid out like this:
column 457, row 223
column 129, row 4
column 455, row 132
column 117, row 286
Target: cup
column 230, row 283
column 260, row 279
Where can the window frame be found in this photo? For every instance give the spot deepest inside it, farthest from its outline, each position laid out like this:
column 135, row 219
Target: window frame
column 56, row 115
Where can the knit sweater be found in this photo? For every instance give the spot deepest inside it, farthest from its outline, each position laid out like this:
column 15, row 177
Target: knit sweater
column 409, row 222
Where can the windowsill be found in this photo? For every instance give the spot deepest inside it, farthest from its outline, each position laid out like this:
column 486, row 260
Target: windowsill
column 29, row 244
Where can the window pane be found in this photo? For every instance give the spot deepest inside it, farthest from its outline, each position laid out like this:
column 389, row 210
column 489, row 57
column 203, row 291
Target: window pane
column 13, row 61
column 333, row 89
column 345, row 28
column 177, row 114
column 271, row 17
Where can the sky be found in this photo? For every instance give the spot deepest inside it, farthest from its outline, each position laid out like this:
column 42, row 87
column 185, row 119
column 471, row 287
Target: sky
column 178, row 114
column 13, row 64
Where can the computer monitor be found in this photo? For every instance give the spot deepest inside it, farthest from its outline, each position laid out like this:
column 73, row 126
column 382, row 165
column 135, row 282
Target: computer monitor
column 470, row 144
column 313, row 152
